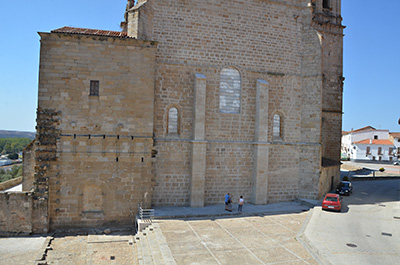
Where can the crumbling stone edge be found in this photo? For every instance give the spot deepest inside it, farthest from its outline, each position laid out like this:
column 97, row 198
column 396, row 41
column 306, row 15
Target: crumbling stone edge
column 41, row 257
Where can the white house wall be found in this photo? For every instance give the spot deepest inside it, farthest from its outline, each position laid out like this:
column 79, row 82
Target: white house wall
column 359, row 136
column 360, row 152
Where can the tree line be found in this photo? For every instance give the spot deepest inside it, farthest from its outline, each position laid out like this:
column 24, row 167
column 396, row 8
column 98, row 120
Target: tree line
column 13, row 145
column 14, row 172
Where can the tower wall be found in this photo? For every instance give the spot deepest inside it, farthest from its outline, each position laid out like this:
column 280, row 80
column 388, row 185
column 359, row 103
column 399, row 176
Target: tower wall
column 101, row 166
column 263, row 40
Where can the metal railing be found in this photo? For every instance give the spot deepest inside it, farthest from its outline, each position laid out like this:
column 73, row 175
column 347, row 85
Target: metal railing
column 146, row 215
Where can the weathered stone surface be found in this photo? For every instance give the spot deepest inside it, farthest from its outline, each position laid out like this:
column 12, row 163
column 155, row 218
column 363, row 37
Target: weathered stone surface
column 162, row 131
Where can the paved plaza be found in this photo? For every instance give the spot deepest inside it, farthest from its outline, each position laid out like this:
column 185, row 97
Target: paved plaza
column 269, row 239
column 278, row 233
column 264, row 234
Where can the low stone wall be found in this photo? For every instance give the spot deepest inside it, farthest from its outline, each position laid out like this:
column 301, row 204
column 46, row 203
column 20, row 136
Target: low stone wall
column 10, row 183
column 15, row 213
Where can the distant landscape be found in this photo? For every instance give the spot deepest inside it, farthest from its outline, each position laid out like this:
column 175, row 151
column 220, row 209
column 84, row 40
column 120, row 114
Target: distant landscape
column 16, row 134
column 11, row 144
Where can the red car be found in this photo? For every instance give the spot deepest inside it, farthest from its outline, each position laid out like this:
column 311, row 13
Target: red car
column 332, row 202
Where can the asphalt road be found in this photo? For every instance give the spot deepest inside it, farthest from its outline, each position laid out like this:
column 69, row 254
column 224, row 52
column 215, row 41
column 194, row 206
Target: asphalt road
column 389, row 167
column 6, row 168
column 367, row 231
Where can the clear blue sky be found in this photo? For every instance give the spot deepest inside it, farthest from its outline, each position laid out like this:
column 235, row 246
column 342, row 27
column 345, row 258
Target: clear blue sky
column 371, row 56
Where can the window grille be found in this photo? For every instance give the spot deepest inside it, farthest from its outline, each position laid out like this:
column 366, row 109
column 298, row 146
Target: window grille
column 94, row 88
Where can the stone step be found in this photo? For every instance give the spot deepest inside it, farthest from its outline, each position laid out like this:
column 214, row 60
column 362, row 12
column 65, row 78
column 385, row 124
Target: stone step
column 163, row 246
column 145, row 249
column 139, row 248
column 152, row 247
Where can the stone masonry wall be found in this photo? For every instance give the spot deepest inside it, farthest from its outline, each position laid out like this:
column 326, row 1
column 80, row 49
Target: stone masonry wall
column 28, row 166
column 283, row 184
column 197, row 38
column 173, row 173
column 15, row 213
column 229, row 169
column 103, row 167
column 330, row 178
column 328, row 23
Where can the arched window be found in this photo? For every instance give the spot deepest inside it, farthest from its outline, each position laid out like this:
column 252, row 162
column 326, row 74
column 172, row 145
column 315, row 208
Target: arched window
column 277, row 127
column 173, row 121
column 229, row 91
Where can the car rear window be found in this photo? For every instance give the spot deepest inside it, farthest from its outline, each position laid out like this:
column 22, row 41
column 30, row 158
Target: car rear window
column 331, row 199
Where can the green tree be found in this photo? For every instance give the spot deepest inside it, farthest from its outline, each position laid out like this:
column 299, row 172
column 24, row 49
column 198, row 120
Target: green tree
column 13, row 145
column 7, row 148
column 14, row 172
column 13, row 156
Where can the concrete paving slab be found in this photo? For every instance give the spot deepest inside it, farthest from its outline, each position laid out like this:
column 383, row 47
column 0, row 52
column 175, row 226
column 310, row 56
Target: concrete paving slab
column 206, row 235
column 182, row 236
column 237, row 257
column 297, row 249
column 20, row 250
column 195, row 259
column 222, row 244
column 109, row 253
column 68, row 249
column 239, row 240
column 259, row 242
column 275, row 255
column 182, row 247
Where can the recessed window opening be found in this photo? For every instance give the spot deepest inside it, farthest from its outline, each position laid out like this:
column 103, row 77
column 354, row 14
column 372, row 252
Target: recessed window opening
column 230, row 91
column 277, row 127
column 326, row 4
column 94, row 87
column 375, row 137
column 173, row 121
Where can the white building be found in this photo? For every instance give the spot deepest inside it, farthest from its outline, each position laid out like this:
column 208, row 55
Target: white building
column 368, row 144
column 5, row 162
column 395, row 139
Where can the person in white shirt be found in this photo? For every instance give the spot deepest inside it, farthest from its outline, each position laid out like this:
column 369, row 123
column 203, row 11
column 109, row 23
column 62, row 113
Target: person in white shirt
column 241, row 202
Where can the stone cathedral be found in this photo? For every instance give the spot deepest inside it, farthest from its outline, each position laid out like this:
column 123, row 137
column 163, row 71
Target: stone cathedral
column 190, row 100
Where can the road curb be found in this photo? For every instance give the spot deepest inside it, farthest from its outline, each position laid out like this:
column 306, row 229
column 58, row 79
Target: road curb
column 307, row 244
column 374, row 178
column 216, row 215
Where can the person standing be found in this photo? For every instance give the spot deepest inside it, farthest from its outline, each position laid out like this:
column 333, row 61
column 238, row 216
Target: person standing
column 228, row 201
column 241, row 202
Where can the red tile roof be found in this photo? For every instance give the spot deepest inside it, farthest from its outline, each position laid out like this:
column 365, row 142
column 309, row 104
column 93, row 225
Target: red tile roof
column 395, row 134
column 366, row 128
column 96, row 32
column 375, row 141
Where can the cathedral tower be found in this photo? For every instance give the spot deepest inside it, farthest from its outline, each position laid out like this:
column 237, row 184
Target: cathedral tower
column 327, row 20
